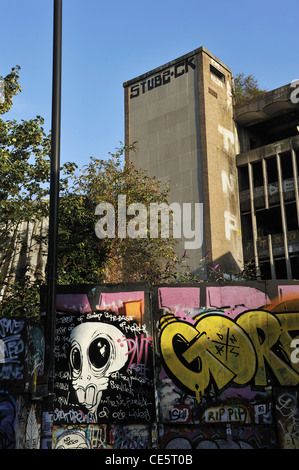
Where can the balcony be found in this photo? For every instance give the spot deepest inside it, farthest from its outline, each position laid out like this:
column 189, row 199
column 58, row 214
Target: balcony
column 266, row 173
column 273, row 195
column 267, row 151
column 277, row 242
column 271, row 104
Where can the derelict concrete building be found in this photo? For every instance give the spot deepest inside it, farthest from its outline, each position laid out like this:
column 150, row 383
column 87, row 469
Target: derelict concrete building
column 241, row 162
column 181, row 115
column 268, row 182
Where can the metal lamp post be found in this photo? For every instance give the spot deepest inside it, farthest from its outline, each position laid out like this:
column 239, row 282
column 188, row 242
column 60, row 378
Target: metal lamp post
column 54, row 196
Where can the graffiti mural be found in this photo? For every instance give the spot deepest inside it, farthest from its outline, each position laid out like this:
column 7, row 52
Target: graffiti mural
column 34, row 353
column 201, row 366
column 222, row 350
column 21, row 354
column 12, row 349
column 80, row 437
column 7, row 421
column 287, row 416
column 131, row 436
column 19, row 423
column 225, row 437
column 102, row 436
column 104, row 362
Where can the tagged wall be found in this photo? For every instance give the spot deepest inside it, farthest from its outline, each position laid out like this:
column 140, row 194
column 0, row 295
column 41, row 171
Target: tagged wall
column 182, row 366
column 21, row 354
column 222, row 364
column 287, row 415
column 20, row 422
column 21, row 368
column 104, row 360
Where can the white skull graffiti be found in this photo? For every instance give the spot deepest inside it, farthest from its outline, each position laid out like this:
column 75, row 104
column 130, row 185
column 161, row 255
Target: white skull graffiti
column 97, row 350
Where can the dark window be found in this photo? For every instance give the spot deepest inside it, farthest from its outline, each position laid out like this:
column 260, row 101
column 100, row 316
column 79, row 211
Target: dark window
column 281, row 269
column 265, row 269
column 258, row 179
column 286, row 165
column 269, row 222
column 243, row 178
column 291, row 216
column 295, row 266
column 217, row 72
column 272, row 170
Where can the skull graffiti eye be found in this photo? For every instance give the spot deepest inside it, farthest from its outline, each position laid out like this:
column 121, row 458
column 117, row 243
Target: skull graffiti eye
column 76, row 358
column 99, row 353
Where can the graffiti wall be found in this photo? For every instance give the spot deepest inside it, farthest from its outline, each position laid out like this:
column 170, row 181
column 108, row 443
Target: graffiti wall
column 204, row 366
column 21, row 367
column 223, row 351
column 21, row 354
column 80, row 437
column 217, row 437
column 104, row 359
column 287, row 417
column 103, row 436
column 20, row 422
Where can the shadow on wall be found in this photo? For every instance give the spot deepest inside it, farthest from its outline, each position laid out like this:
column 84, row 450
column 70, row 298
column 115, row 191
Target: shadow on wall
column 225, row 264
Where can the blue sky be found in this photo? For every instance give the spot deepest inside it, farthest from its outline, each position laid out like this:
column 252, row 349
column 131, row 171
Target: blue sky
column 107, row 42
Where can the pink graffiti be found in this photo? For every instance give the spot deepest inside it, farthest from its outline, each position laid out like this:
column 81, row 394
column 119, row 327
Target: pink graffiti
column 179, row 301
column 235, row 299
column 73, row 303
column 116, row 301
column 137, row 347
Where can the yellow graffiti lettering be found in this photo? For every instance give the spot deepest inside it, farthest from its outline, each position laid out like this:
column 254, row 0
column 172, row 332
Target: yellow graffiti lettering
column 224, row 350
column 264, row 330
column 215, row 347
column 176, row 336
column 289, row 322
column 222, row 374
column 229, row 345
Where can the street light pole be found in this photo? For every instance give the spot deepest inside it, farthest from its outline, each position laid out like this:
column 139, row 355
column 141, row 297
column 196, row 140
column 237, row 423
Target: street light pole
column 54, row 197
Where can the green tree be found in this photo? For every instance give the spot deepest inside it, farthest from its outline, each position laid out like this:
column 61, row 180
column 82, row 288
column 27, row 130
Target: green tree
column 11, row 88
column 24, row 199
column 24, row 174
column 90, row 259
column 82, row 257
column 246, row 88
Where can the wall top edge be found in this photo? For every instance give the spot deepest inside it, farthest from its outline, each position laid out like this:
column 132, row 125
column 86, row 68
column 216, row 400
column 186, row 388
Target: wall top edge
column 200, row 50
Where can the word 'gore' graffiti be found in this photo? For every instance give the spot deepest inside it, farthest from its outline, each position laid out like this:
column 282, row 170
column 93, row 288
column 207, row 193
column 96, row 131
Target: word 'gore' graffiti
column 229, row 352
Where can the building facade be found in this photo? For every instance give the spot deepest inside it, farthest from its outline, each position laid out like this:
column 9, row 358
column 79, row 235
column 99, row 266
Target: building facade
column 240, row 162
column 268, row 181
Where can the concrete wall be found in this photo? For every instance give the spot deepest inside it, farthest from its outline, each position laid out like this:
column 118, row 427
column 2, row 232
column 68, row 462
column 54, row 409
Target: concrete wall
column 227, row 372
column 161, row 115
column 21, row 367
column 181, row 116
column 220, row 180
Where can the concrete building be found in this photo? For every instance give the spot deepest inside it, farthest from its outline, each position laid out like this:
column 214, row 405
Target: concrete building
column 189, row 132
column 268, row 182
